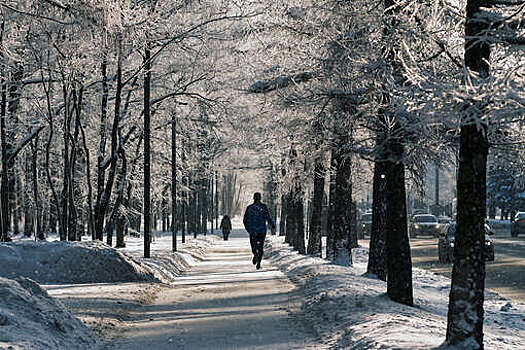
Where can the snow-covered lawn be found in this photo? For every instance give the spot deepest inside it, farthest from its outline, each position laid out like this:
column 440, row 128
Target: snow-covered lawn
column 353, row 311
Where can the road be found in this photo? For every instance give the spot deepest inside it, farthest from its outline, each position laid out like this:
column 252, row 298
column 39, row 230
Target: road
column 506, row 275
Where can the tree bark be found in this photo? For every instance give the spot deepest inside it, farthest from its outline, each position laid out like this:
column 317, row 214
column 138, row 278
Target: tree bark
column 282, row 222
column 174, row 181
column 314, row 241
column 342, row 202
column 330, row 238
column 465, row 310
column 147, row 151
column 291, row 219
column 3, row 186
column 299, row 243
column 100, row 214
column 399, row 281
column 377, row 250
column 38, row 206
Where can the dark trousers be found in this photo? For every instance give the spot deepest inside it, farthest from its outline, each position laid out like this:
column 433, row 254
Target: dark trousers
column 225, row 234
column 257, row 243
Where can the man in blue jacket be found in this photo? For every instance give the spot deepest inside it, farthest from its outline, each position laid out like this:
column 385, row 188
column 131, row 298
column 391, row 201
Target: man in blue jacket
column 255, row 218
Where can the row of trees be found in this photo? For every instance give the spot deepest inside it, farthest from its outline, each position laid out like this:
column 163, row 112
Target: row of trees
column 111, row 111
column 402, row 85
column 106, row 106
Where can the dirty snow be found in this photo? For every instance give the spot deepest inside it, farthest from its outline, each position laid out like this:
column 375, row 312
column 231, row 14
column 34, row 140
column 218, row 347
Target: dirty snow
column 31, row 319
column 352, row 311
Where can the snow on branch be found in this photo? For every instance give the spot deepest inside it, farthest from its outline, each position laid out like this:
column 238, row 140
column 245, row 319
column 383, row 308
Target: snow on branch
column 14, row 152
column 503, row 3
column 282, row 81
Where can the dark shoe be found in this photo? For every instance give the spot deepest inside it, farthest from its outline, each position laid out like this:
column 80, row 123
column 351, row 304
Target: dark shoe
column 254, row 260
column 258, row 266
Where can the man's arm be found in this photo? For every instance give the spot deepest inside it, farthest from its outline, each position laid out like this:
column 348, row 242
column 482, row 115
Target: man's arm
column 246, row 220
column 270, row 220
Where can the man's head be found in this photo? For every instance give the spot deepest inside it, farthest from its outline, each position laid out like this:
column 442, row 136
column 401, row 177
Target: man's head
column 256, row 197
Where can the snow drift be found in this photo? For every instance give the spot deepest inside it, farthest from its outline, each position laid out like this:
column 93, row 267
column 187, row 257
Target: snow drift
column 31, row 319
column 70, row 262
column 349, row 310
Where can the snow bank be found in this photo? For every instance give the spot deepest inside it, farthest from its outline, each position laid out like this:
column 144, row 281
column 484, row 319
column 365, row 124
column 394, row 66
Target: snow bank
column 70, row 262
column 31, row 319
column 350, row 310
column 166, row 265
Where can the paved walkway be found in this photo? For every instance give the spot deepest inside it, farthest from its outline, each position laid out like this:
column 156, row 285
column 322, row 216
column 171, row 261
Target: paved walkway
column 223, row 303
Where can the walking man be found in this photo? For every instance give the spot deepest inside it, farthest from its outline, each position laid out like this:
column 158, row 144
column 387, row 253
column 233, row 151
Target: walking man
column 255, row 218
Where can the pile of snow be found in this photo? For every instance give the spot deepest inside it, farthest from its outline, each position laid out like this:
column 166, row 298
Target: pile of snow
column 350, row 310
column 70, row 262
column 31, row 319
column 166, row 265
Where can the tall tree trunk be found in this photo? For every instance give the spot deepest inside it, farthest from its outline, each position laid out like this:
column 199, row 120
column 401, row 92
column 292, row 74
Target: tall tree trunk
column 14, row 93
column 282, row 217
column 342, row 202
column 299, row 215
column 64, row 219
column 399, row 281
column 203, row 203
column 3, row 186
column 291, row 219
column 147, row 151
column 73, row 193
column 38, row 206
column 216, row 213
column 314, row 241
column 29, row 210
column 185, row 202
column 54, row 211
column 100, row 214
column 377, row 250
column 117, row 217
column 330, row 235
column 174, row 181
column 465, row 310
column 399, row 262
column 90, row 217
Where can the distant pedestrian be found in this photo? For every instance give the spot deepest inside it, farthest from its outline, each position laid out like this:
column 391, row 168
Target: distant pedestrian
column 255, row 218
column 226, row 227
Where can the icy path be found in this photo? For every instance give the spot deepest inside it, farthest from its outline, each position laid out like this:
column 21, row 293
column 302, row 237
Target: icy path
column 223, row 303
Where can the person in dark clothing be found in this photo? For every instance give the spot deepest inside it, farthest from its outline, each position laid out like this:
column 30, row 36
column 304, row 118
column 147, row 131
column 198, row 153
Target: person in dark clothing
column 226, row 227
column 255, row 219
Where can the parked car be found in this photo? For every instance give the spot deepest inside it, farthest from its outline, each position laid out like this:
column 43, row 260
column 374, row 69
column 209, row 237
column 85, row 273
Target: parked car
column 424, row 224
column 446, row 245
column 444, row 222
column 518, row 224
column 366, row 224
column 417, row 212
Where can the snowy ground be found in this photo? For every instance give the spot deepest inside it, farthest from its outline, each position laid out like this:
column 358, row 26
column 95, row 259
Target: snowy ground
column 352, row 311
column 31, row 319
column 98, row 284
column 213, row 298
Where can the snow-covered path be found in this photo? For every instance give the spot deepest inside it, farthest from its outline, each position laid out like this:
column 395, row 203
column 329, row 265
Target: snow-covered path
column 222, row 303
